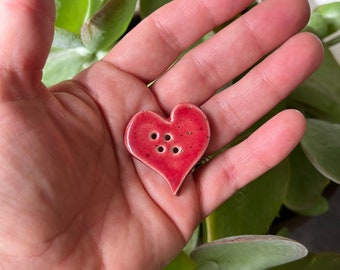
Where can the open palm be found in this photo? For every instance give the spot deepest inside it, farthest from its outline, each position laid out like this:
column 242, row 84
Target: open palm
column 71, row 196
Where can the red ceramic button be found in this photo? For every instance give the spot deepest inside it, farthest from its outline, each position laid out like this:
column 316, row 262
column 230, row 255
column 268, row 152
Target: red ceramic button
column 170, row 146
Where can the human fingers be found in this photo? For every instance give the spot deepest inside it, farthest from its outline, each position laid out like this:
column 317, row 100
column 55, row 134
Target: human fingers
column 241, row 164
column 26, row 28
column 118, row 94
column 230, row 52
column 232, row 111
column 151, row 47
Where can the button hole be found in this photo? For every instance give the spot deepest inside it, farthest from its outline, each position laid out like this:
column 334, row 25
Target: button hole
column 153, row 135
column 160, row 149
column 167, row 137
column 175, row 150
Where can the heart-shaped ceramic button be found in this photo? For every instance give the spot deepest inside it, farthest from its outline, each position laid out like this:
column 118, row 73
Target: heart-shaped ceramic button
column 170, row 146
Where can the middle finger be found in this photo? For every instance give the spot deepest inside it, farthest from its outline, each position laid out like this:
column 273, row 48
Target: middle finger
column 227, row 54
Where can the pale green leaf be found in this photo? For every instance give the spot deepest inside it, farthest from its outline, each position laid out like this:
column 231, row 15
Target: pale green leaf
column 249, row 252
column 63, row 64
column 64, row 39
column 191, row 245
column 326, row 261
column 322, row 147
column 208, row 266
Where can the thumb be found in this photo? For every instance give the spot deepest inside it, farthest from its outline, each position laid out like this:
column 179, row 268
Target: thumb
column 26, row 30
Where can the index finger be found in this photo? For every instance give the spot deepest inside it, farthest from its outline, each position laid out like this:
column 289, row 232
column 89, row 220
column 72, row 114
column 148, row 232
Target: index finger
column 149, row 49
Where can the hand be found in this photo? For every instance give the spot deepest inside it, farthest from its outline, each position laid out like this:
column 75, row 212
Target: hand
column 71, row 196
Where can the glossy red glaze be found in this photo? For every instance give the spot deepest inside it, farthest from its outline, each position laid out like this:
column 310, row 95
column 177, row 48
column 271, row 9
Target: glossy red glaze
column 170, row 146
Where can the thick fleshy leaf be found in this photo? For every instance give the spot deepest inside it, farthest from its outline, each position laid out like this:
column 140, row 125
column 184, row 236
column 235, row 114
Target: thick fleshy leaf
column 318, row 24
column 325, row 19
column 249, row 252
column 94, row 6
column 181, row 262
column 70, row 15
column 111, row 21
column 319, row 95
column 322, row 147
column 306, row 186
column 64, row 64
column 327, row 261
column 192, row 244
column 320, row 207
column 252, row 209
column 64, row 39
column 149, row 6
column 331, row 13
column 208, row 266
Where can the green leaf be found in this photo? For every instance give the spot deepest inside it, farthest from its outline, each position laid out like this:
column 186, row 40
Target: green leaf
column 252, row 209
column 319, row 95
column 249, row 252
column 327, row 261
column 149, row 6
column 181, row 262
column 318, row 24
column 306, row 186
column 63, row 64
column 64, row 39
column 191, row 245
column 322, row 147
column 108, row 24
column 331, row 13
column 94, row 5
column 70, row 15
column 320, row 207
column 208, row 266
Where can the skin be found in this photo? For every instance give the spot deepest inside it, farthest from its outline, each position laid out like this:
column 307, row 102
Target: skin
column 71, row 196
